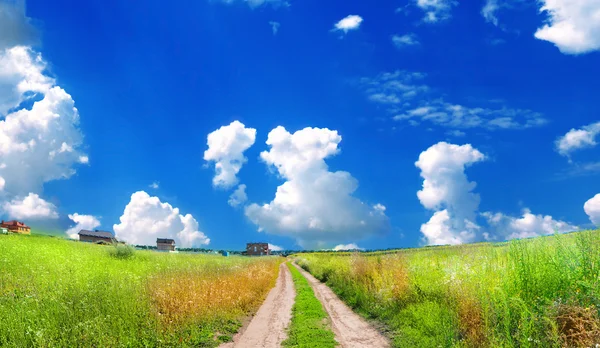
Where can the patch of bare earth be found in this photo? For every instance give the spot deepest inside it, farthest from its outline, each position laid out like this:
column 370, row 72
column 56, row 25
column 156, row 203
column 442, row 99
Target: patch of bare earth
column 268, row 328
column 351, row 331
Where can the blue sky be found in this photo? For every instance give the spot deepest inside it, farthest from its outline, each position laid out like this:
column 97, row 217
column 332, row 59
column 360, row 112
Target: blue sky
column 497, row 100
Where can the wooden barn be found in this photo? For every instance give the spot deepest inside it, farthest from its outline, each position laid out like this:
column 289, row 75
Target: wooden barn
column 96, row 237
column 165, row 244
column 257, row 249
column 15, row 226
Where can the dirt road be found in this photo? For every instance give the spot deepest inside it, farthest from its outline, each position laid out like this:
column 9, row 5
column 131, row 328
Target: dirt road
column 268, row 327
column 351, row 331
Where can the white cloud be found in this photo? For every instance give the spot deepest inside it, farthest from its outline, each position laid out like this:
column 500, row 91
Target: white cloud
column 448, row 192
column 407, row 98
column 313, row 205
column 529, row 225
column 405, row 40
column 30, row 207
column 274, row 247
column 344, row 247
column 21, row 72
column 15, row 27
column 577, row 139
column 351, row 22
column 489, row 11
column 155, row 185
column 146, row 218
column 2, row 183
column 436, row 10
column 572, row 25
column 592, row 209
column 444, row 229
column 275, row 27
column 238, row 197
column 82, row 222
column 42, row 143
column 226, row 148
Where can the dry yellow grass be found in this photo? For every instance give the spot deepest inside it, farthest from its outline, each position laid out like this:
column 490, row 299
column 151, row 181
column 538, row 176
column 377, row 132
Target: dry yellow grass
column 178, row 297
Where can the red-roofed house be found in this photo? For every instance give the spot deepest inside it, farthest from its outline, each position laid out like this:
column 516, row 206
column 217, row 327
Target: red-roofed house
column 15, row 226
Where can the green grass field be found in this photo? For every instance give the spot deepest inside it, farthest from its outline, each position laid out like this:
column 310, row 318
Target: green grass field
column 60, row 293
column 309, row 326
column 543, row 292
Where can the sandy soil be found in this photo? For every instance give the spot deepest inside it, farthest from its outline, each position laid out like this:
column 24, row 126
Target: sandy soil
column 268, row 328
column 351, row 331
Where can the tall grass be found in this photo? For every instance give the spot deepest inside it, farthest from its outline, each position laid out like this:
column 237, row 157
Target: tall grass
column 542, row 292
column 58, row 293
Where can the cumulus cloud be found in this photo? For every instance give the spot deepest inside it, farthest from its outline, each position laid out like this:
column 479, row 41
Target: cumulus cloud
column 489, row 11
column 42, row 143
column 436, row 10
column 15, row 27
column 572, row 25
column 146, row 218
column 82, row 222
column 344, row 247
column 30, row 207
column 529, row 225
column 274, row 247
column 405, row 40
column 238, row 197
column 592, row 209
column 313, row 205
column 408, row 99
column 448, row 192
column 226, row 148
column 577, row 139
column 351, row 22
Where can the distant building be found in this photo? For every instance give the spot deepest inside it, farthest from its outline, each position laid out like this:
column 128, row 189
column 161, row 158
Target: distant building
column 165, row 244
column 15, row 226
column 225, row 253
column 96, row 237
column 257, row 249
column 3, row 230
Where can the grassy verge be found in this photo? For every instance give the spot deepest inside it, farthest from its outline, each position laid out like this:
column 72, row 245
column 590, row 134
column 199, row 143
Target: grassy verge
column 309, row 326
column 59, row 293
column 541, row 292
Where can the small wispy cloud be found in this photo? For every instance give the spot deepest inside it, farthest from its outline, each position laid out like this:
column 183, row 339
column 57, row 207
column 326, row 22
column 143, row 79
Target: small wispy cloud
column 577, row 139
column 275, row 27
column 351, row 22
column 401, row 41
column 258, row 3
column 436, row 10
column 408, row 99
column 489, row 11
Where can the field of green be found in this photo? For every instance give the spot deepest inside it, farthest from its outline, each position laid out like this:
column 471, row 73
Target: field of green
column 542, row 292
column 60, row 293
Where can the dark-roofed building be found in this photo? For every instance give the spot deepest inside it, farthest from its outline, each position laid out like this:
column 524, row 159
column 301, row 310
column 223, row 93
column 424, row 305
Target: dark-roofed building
column 165, row 244
column 96, row 236
column 257, row 249
column 15, row 226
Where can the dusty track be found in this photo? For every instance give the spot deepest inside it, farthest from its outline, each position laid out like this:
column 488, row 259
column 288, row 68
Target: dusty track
column 268, row 327
column 351, row 331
